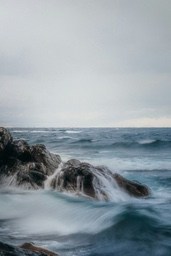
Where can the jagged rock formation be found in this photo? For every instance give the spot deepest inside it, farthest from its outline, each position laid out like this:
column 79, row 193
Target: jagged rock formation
column 24, row 165
column 75, row 176
column 30, row 166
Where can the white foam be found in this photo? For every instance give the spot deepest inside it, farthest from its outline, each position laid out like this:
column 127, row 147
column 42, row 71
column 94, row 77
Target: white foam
column 50, row 178
column 105, row 185
column 21, row 131
column 147, row 141
column 70, row 131
column 64, row 137
column 43, row 213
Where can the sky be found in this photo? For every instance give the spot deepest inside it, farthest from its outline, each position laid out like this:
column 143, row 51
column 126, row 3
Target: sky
column 85, row 63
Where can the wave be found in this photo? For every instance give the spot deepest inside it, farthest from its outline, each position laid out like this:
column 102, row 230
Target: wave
column 133, row 225
column 33, row 131
column 130, row 227
column 71, row 131
column 56, row 213
column 111, row 227
column 103, row 144
column 62, row 130
column 83, row 141
column 22, row 131
column 64, row 138
column 147, row 141
column 142, row 144
column 155, row 142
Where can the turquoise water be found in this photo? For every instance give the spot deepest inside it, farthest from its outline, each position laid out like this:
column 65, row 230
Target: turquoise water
column 77, row 226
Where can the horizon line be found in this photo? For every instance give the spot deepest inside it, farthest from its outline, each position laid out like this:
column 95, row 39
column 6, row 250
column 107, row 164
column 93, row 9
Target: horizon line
column 83, row 127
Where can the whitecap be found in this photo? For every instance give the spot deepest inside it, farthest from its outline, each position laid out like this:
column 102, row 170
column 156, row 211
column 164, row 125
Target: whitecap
column 20, row 131
column 70, row 131
column 147, row 141
column 64, row 137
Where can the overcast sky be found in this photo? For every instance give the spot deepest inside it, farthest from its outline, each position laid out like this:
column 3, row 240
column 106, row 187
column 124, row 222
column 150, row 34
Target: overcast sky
column 82, row 63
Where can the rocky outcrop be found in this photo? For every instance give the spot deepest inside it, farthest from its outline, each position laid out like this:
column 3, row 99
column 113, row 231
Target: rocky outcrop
column 86, row 179
column 75, row 176
column 131, row 187
column 23, row 165
column 30, row 166
column 5, row 140
column 27, row 249
column 41, row 155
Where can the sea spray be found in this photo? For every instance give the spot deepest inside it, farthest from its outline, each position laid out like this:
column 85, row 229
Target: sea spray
column 48, row 181
column 107, row 188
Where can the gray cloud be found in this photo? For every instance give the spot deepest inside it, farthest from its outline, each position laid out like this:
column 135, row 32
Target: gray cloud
column 85, row 63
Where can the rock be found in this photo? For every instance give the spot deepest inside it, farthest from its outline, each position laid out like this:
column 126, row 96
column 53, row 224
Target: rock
column 75, row 177
column 21, row 150
column 131, row 187
column 23, row 165
column 11, row 250
column 32, row 177
column 37, row 249
column 5, row 140
column 41, row 155
column 26, row 175
column 86, row 179
column 29, row 166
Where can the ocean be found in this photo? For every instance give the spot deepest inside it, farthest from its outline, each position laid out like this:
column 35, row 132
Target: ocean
column 77, row 226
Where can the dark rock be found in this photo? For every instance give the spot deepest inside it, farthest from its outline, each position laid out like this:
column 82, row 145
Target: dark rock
column 75, row 177
column 5, row 140
column 11, row 250
column 41, row 155
column 22, row 165
column 21, row 150
column 31, row 179
column 37, row 249
column 29, row 166
column 88, row 180
column 27, row 175
column 131, row 187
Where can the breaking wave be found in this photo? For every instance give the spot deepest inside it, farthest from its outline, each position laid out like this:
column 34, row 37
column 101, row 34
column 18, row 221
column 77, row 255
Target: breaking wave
column 143, row 144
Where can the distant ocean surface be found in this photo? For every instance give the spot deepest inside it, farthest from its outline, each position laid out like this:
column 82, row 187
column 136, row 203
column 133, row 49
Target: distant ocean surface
column 75, row 226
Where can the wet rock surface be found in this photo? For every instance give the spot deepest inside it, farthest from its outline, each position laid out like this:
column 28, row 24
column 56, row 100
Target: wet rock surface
column 30, row 166
column 75, row 177
column 131, row 187
column 86, row 179
column 5, row 140
column 24, row 165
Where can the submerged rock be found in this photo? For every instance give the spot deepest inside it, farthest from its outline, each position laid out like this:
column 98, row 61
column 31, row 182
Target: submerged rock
column 30, row 166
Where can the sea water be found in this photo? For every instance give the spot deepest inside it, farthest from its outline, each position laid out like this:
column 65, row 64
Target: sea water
column 72, row 225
